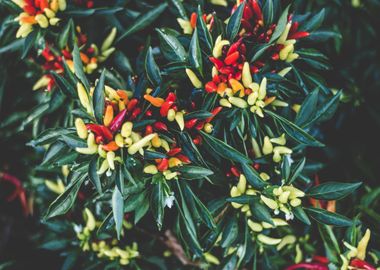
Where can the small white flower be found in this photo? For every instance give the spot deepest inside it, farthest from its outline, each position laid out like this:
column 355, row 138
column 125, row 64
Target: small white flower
column 108, row 173
column 169, row 200
column 289, row 216
column 78, row 228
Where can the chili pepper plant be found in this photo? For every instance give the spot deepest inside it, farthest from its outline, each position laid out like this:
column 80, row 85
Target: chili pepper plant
column 183, row 135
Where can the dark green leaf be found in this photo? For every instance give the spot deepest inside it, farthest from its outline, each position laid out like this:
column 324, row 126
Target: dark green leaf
column 193, row 172
column 234, row 22
column 281, row 24
column 78, row 68
column 151, row 69
column 195, row 54
column 171, row 47
column 328, row 218
column 93, row 175
column 98, row 99
column 118, row 210
column 333, row 190
column 144, row 20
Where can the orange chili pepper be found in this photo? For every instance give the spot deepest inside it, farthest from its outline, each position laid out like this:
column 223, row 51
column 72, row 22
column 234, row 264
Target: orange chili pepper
column 123, row 95
column 84, row 58
column 193, row 20
column 111, row 146
column 155, row 101
column 108, row 116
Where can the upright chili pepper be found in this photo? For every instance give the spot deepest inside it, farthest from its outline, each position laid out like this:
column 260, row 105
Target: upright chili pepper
column 116, row 123
column 132, row 104
column 191, row 123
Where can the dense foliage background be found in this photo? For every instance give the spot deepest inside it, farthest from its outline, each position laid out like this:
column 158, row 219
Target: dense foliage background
column 352, row 135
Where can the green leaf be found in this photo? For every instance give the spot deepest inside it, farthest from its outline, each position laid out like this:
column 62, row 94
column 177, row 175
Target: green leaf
column 297, row 170
column 29, row 42
column 73, row 141
column 195, row 54
column 119, row 179
column 151, row 69
column 281, row 24
column 253, row 176
column 66, row 33
column 171, row 47
column 308, row 108
column 66, row 88
column 260, row 50
column 93, row 175
column 268, row 12
column 204, row 34
column 333, row 190
column 157, row 203
column 295, row 131
column 243, row 199
column 78, row 68
column 65, row 201
column 326, row 111
column 328, row 218
column 314, row 22
column 193, row 172
column 118, row 210
column 143, row 20
column 260, row 212
column 48, row 136
column 330, row 242
column 98, row 99
column 301, row 215
column 234, row 22
column 224, row 150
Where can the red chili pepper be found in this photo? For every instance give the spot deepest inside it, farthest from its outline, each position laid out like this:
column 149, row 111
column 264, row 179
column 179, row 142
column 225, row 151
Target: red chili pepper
column 100, row 131
column 257, row 10
column 135, row 113
column 362, row 265
column 234, row 47
column 211, row 87
column 311, row 266
column 149, row 113
column 214, row 112
column 197, row 140
column 183, row 158
column 174, row 151
column 320, row 259
column 193, row 20
column 232, row 58
column 165, row 108
column 200, row 125
column 116, row 123
column 132, row 104
column 294, row 27
column 190, row 123
column 299, row 35
column 160, row 126
column 163, row 165
column 99, row 139
column 247, row 13
column 218, row 63
column 148, row 130
column 171, row 97
column 226, row 70
column 235, row 171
